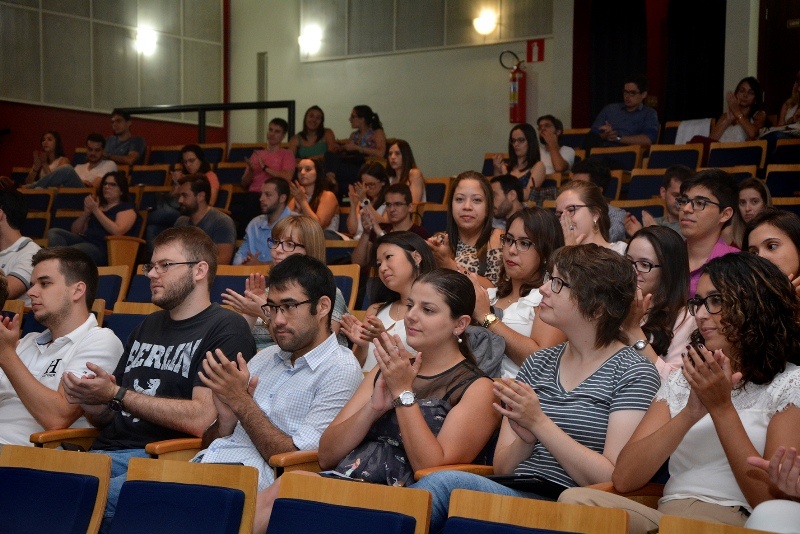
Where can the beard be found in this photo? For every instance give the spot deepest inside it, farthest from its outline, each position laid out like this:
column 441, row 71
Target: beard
column 175, row 294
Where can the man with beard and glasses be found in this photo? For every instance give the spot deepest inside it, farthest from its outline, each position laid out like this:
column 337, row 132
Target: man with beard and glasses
column 156, row 392
column 193, row 194
column 63, row 287
column 255, row 250
column 288, row 394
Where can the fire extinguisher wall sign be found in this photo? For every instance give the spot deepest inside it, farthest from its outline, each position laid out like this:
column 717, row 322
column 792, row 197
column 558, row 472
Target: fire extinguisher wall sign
column 517, row 89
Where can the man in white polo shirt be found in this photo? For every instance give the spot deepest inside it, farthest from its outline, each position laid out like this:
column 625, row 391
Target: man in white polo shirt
column 63, row 287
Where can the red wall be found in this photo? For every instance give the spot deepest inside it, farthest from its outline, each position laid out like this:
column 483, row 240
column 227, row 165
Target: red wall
column 28, row 123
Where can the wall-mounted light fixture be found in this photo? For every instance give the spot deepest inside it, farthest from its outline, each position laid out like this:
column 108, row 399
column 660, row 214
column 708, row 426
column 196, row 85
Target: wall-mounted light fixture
column 146, row 40
column 310, row 40
column 486, row 22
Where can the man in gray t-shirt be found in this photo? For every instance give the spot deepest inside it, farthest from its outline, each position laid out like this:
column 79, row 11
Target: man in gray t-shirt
column 193, row 195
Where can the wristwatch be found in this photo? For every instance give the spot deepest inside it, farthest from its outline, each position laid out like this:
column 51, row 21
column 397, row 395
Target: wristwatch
column 116, row 403
column 489, row 320
column 640, row 345
column 406, row 398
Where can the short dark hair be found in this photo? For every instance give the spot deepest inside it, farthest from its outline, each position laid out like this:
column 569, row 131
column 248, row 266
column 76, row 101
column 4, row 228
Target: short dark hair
column 509, row 183
column 679, row 173
column 310, row 274
column 196, row 245
column 75, row 265
column 400, row 189
column 599, row 174
column 281, row 185
column 14, row 205
column 719, row 183
column 122, row 113
column 282, row 124
column 602, row 284
column 198, row 183
column 556, row 122
column 96, row 138
column 639, row 79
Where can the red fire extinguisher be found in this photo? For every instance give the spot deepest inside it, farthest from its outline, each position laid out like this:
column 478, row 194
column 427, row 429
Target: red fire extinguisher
column 517, row 90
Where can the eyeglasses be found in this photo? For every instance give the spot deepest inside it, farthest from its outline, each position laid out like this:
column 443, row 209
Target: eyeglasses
column 518, row 140
column 522, row 244
column 556, row 283
column 698, row 203
column 110, row 184
column 713, row 304
column 163, row 266
column 390, row 205
column 631, row 93
column 287, row 309
column 371, row 185
column 287, row 246
column 643, row 266
column 571, row 210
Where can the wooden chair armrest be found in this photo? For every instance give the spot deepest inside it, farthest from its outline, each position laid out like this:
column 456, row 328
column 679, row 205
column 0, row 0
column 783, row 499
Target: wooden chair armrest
column 294, row 461
column 125, row 238
column 51, row 439
column 181, row 449
column 483, row 470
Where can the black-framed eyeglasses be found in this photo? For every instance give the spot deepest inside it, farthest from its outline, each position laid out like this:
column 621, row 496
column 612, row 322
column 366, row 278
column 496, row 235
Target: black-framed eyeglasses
column 556, row 283
column 518, row 140
column 391, row 205
column 698, row 203
column 287, row 246
column 643, row 266
column 522, row 244
column 163, row 266
column 288, row 309
column 571, row 209
column 371, row 185
column 713, row 304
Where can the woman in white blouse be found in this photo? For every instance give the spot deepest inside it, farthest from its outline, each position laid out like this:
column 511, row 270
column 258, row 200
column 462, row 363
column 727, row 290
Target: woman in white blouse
column 532, row 234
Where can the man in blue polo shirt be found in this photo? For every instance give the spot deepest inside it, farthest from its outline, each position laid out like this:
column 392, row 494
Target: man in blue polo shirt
column 254, row 249
column 626, row 123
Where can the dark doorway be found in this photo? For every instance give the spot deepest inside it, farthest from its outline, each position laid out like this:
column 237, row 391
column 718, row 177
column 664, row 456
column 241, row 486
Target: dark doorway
column 778, row 43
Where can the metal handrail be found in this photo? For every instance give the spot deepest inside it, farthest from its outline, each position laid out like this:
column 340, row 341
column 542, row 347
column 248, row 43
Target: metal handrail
column 201, row 110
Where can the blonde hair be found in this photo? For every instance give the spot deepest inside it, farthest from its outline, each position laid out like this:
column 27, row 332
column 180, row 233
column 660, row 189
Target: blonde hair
column 310, row 231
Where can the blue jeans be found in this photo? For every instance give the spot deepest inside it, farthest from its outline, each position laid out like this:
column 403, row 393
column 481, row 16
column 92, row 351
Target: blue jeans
column 442, row 483
column 58, row 237
column 119, row 472
column 64, row 176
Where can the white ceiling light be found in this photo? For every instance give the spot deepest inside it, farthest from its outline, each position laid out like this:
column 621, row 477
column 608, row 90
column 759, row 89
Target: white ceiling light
column 310, row 40
column 146, row 39
column 486, row 22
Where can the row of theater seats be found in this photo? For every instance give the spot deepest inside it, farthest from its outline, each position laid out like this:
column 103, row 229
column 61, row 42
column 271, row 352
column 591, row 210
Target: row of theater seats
column 179, row 496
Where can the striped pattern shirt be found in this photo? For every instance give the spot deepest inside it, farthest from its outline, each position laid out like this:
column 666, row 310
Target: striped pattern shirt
column 626, row 381
column 300, row 400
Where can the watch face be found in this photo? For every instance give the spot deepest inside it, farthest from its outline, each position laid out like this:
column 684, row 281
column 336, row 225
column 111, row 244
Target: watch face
column 639, row 345
column 407, row 398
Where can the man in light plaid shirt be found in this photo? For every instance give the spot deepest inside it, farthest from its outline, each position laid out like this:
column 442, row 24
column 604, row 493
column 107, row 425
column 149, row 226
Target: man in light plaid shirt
column 285, row 397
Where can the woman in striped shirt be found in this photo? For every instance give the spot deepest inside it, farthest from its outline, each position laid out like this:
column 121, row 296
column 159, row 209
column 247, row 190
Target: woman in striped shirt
column 573, row 406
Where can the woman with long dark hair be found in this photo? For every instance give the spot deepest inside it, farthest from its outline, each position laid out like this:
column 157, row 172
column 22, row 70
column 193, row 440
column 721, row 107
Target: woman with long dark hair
column 399, row 259
column 736, row 397
column 470, row 243
column 531, row 237
column 310, row 194
column 775, row 236
column 314, row 139
column 372, row 189
column 403, row 170
column 524, row 159
column 50, row 158
column 110, row 212
column 659, row 320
